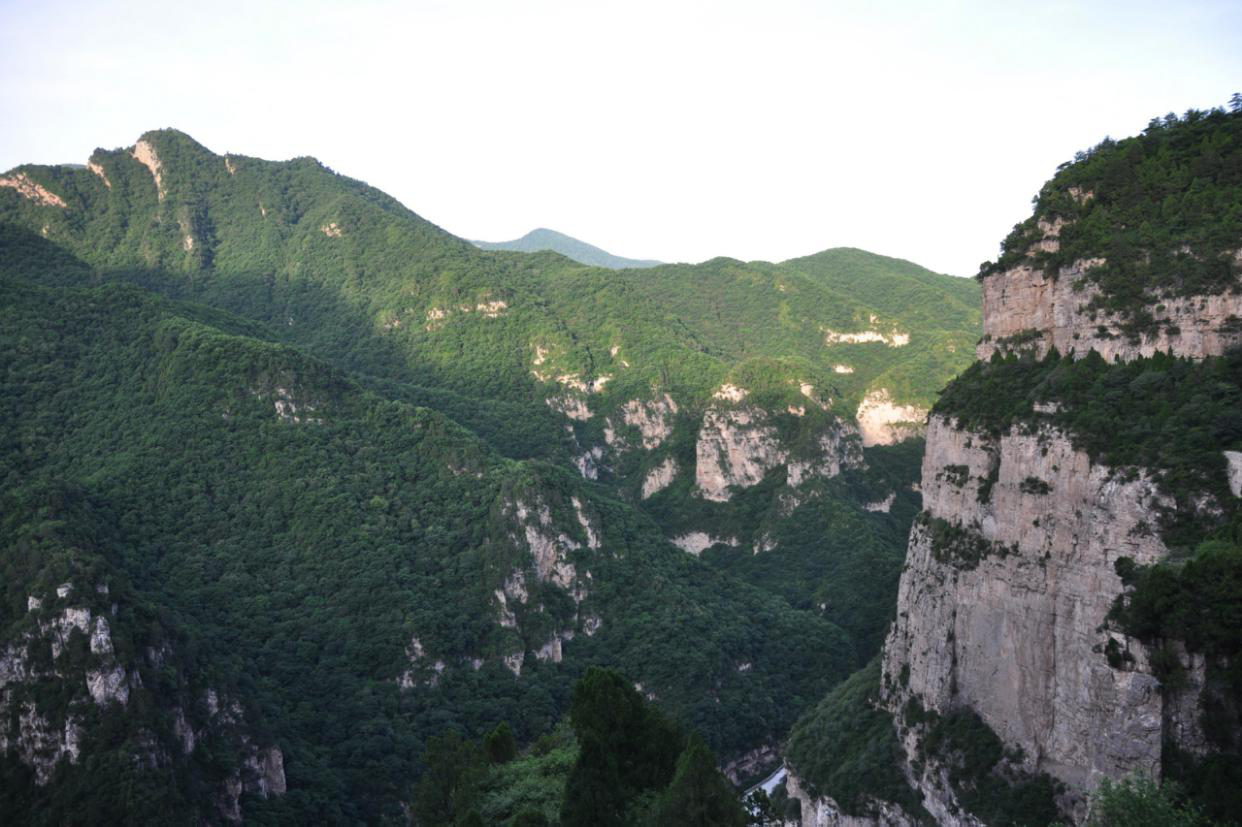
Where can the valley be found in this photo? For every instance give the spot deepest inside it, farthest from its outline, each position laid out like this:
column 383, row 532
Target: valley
column 340, row 482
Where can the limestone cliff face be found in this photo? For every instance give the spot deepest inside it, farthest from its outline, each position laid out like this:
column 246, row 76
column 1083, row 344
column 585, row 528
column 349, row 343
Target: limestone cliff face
column 1010, row 571
column 883, row 422
column 1023, row 307
column 736, row 447
column 1008, row 617
column 1019, row 635
column 738, row 444
column 67, row 640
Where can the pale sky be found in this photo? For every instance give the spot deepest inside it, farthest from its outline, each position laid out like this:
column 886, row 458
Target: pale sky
column 670, row 130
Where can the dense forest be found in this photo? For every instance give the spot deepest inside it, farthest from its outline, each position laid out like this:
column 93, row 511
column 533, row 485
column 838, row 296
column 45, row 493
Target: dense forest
column 1162, row 211
column 295, row 497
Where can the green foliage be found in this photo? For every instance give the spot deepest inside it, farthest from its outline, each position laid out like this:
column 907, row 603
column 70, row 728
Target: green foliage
column 962, row 546
column 620, row 765
column 988, row 782
column 1141, row 802
column 1168, row 415
column 450, row 785
column 957, row 475
column 1197, row 602
column 698, row 796
column 626, row 748
column 1163, row 209
column 531, row 788
column 1211, row 784
column 297, row 560
column 1034, row 485
column 847, row 748
column 500, row 745
column 530, row 818
column 294, row 561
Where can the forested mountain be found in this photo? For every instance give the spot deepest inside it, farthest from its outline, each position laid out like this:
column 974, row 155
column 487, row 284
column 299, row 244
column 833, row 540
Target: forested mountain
column 541, row 239
column 1068, row 610
column 294, row 481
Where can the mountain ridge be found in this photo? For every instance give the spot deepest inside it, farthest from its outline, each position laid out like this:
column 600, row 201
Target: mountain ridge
column 687, row 432
column 542, row 239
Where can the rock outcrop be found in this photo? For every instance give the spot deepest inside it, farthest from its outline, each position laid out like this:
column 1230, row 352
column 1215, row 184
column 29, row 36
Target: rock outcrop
column 1007, row 615
column 883, row 422
column 1025, row 308
column 1010, row 573
column 659, row 477
column 1011, row 569
column 69, row 642
column 27, row 187
column 736, row 447
column 145, row 154
column 738, row 444
column 653, row 419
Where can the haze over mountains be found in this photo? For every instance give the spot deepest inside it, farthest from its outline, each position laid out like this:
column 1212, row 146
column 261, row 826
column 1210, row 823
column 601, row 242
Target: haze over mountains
column 296, row 480
column 541, row 239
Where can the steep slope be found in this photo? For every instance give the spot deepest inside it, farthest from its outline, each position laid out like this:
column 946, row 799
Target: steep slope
column 720, row 398
column 752, row 413
column 544, row 240
column 254, row 588
column 1070, row 593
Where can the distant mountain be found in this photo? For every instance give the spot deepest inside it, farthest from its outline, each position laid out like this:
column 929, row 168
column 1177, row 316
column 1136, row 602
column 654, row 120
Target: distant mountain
column 350, row 482
column 537, row 241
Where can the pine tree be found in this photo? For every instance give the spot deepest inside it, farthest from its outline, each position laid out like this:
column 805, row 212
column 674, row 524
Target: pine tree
column 700, row 796
column 500, row 745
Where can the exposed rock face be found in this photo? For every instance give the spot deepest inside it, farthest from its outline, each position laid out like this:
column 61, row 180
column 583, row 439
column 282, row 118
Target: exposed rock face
column 589, row 462
column 892, row 338
column 145, row 154
column 736, row 447
column 549, row 548
column 824, row 812
column 659, row 478
column 1234, row 458
column 839, row 448
column 290, row 409
column 882, row 422
column 574, row 407
column 585, row 522
column 43, row 738
column 1019, row 637
column 28, row 188
column 99, row 170
column 653, row 419
column 697, row 542
column 884, row 505
column 1024, row 308
column 748, row 765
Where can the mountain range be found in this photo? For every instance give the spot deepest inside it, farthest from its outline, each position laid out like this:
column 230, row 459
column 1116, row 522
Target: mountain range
column 295, row 481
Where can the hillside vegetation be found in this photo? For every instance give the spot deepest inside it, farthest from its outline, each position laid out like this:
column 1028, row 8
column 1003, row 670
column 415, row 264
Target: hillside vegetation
column 371, row 484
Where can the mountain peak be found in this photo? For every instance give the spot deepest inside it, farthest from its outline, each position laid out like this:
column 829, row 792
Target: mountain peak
column 542, row 238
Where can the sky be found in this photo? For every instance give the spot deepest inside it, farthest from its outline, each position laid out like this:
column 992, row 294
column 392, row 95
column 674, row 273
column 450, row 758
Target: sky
column 672, row 130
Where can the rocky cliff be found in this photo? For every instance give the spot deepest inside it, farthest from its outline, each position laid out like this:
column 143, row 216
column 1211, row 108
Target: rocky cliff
column 65, row 682
column 1003, row 604
column 1007, row 608
column 1025, row 307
